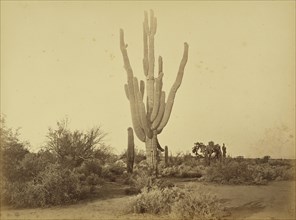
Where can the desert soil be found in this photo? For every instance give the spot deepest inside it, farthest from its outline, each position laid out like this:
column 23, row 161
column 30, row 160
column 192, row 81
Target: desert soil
column 273, row 201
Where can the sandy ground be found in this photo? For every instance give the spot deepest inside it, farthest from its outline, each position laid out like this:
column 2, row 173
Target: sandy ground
column 274, row 201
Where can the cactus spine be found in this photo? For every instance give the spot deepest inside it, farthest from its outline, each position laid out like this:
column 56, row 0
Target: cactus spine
column 130, row 150
column 149, row 122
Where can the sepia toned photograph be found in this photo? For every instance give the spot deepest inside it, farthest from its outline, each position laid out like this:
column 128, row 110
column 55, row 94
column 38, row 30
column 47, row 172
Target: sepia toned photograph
column 131, row 110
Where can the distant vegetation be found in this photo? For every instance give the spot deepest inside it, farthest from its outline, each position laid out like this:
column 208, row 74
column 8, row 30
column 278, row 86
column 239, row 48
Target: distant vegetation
column 74, row 165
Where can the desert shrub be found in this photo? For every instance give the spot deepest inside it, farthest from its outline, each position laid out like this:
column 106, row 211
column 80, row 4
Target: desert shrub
column 53, row 186
column 188, row 171
column 141, row 179
column 72, row 148
column 170, row 171
column 232, row 172
column 281, row 162
column 104, row 154
column 177, row 159
column 193, row 162
column 249, row 172
column 60, row 186
column 92, row 166
column 177, row 203
column 132, row 190
column 183, row 171
column 198, row 205
column 13, row 151
column 266, row 172
column 67, row 170
column 140, row 155
column 107, row 174
column 239, row 158
column 155, row 200
column 265, row 159
column 118, row 167
column 34, row 163
column 114, row 170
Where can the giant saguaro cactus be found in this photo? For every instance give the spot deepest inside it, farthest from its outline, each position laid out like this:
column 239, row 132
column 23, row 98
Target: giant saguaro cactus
column 149, row 122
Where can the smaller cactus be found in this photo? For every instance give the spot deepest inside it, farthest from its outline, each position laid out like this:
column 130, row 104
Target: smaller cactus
column 166, row 156
column 130, row 150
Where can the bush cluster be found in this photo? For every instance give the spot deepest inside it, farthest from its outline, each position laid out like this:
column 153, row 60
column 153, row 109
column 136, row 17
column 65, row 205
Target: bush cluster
column 142, row 179
column 177, row 203
column 246, row 171
column 183, row 171
column 54, row 185
column 70, row 169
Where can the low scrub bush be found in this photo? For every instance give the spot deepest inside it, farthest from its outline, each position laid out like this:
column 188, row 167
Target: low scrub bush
column 53, row 186
column 248, row 172
column 142, row 179
column 177, row 203
column 155, row 200
column 232, row 172
column 113, row 170
column 200, row 205
column 183, row 171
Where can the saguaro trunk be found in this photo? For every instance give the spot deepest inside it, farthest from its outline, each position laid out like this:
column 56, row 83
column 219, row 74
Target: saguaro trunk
column 151, row 152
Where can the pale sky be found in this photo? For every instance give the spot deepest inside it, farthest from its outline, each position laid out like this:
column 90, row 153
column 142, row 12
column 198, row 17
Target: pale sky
column 63, row 59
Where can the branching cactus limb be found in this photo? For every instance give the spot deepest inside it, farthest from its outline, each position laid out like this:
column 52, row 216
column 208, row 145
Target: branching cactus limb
column 149, row 121
column 130, row 150
column 129, row 89
column 175, row 87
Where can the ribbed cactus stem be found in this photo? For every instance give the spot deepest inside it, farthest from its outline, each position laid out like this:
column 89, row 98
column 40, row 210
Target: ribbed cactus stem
column 157, row 94
column 151, row 151
column 159, row 116
column 166, row 155
column 151, row 60
column 130, row 150
column 142, row 88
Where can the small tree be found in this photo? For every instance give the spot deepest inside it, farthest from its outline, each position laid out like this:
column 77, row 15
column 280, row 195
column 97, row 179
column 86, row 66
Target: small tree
column 12, row 153
column 74, row 147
